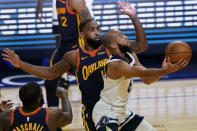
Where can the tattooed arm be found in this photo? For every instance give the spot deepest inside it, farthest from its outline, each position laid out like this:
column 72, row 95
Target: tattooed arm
column 80, row 7
column 69, row 59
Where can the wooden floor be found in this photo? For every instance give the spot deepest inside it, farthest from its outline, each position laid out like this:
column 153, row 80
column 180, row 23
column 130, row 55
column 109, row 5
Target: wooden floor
column 169, row 105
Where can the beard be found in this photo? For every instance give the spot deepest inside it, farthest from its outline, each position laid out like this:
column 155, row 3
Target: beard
column 94, row 43
column 124, row 48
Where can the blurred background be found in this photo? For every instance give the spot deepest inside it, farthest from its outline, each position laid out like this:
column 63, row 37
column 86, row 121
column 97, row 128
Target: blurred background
column 169, row 104
column 164, row 21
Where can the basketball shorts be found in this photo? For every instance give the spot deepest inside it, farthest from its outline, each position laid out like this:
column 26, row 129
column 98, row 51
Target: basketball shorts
column 106, row 116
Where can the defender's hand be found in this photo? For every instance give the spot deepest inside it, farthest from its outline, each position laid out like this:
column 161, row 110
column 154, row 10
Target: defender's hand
column 60, row 91
column 11, row 57
column 127, row 9
column 5, row 105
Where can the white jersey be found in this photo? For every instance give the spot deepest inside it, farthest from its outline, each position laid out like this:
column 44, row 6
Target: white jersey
column 116, row 92
column 54, row 13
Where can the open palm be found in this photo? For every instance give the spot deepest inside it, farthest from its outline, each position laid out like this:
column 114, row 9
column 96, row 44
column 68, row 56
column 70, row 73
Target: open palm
column 127, row 8
column 11, row 56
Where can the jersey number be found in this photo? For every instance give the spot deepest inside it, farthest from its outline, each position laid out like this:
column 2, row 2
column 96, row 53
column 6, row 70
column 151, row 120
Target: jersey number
column 63, row 21
column 130, row 85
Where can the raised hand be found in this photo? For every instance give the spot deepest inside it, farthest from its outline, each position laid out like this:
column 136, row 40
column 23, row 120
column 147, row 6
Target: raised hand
column 127, row 9
column 12, row 57
column 5, row 105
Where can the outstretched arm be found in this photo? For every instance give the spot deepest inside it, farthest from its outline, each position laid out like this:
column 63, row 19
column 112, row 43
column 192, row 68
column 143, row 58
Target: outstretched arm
column 140, row 44
column 69, row 59
column 80, row 7
column 65, row 115
column 120, row 68
column 151, row 79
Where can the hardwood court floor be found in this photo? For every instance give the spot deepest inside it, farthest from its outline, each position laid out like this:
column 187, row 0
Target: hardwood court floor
column 169, row 105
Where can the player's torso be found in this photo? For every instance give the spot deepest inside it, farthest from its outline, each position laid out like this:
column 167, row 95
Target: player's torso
column 36, row 120
column 116, row 92
column 90, row 73
column 68, row 21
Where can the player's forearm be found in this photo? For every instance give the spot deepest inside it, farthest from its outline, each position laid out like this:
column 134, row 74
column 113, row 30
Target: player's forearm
column 149, row 80
column 141, row 41
column 39, row 71
column 67, row 109
column 137, row 71
column 39, row 4
column 84, row 14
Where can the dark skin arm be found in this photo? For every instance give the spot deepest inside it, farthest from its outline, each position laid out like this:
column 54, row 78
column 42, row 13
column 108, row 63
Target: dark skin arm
column 80, row 7
column 140, row 44
column 65, row 115
column 59, row 117
column 39, row 9
column 69, row 59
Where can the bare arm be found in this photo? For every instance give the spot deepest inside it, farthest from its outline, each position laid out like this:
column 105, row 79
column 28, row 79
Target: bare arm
column 69, row 59
column 39, row 9
column 80, row 7
column 140, row 44
column 120, row 68
column 65, row 115
column 151, row 79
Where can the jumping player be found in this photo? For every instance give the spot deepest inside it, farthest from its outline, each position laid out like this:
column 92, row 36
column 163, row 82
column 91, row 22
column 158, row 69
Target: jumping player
column 110, row 112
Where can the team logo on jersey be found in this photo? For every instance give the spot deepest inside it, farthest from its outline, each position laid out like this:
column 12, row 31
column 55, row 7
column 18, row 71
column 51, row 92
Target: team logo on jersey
column 103, row 121
column 88, row 70
column 84, row 58
column 100, row 53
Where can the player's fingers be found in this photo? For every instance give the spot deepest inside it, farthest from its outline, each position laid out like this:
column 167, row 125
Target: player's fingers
column 184, row 64
column 6, row 50
column 5, row 55
column 121, row 4
column 6, row 59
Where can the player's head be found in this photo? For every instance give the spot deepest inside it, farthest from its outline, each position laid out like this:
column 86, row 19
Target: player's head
column 90, row 32
column 31, row 95
column 115, row 40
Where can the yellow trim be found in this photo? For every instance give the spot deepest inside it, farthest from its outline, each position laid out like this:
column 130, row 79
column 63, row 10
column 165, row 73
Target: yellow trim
column 83, row 118
column 81, row 42
column 78, row 86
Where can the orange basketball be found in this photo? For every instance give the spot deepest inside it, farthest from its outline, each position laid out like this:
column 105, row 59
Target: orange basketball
column 178, row 50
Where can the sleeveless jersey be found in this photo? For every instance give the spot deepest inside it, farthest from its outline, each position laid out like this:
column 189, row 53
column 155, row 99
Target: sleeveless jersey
column 89, row 73
column 68, row 21
column 116, row 92
column 34, row 121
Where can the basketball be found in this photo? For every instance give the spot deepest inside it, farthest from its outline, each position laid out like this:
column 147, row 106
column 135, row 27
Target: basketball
column 178, row 50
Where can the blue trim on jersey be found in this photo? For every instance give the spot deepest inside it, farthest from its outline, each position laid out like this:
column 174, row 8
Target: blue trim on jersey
column 126, row 120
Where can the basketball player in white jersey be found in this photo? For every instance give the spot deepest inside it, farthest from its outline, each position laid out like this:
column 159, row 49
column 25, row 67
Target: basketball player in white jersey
column 110, row 112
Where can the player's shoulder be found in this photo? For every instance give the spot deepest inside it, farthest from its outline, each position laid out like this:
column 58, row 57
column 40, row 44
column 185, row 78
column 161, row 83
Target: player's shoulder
column 71, row 54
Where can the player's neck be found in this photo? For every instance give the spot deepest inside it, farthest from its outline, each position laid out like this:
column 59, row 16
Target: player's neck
column 28, row 109
column 90, row 48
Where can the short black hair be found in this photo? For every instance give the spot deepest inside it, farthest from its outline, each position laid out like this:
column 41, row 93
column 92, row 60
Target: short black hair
column 83, row 23
column 29, row 93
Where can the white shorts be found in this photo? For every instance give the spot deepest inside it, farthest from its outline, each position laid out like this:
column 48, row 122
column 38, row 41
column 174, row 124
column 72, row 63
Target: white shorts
column 119, row 115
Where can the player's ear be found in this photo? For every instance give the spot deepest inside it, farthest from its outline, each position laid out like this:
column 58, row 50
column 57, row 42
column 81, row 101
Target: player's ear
column 113, row 45
column 82, row 35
